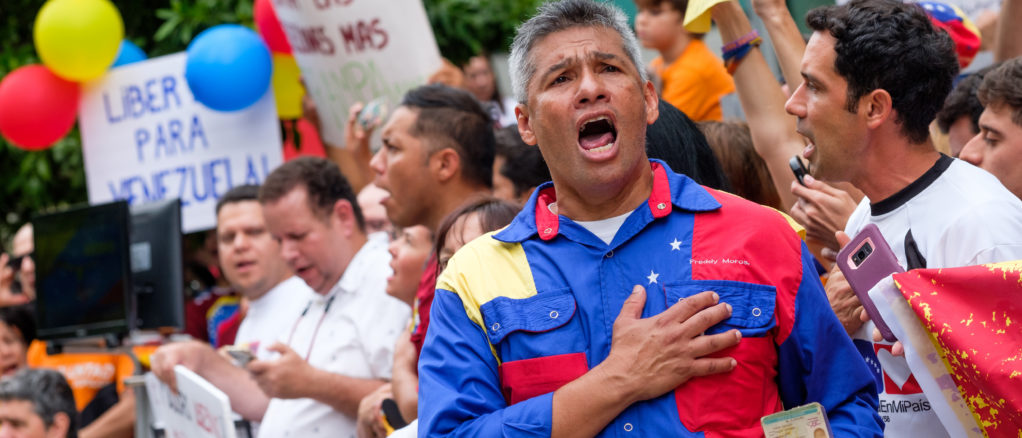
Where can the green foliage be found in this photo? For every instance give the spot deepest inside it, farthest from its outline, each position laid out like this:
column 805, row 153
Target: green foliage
column 185, row 19
column 465, row 28
column 34, row 182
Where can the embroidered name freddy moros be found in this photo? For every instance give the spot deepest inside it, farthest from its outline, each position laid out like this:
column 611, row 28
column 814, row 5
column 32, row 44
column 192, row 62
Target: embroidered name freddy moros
column 725, row 260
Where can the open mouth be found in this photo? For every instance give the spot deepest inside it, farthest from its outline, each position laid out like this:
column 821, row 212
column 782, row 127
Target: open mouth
column 7, row 370
column 597, row 134
column 810, row 144
column 243, row 265
column 302, row 272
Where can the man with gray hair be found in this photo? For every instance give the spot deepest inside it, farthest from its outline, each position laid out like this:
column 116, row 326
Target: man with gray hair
column 37, row 403
column 625, row 298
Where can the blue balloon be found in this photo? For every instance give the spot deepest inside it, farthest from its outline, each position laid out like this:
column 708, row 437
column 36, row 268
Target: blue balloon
column 228, row 67
column 128, row 54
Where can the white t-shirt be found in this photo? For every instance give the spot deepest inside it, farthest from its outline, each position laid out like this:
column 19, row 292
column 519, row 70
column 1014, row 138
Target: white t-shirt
column 350, row 331
column 273, row 313
column 409, row 431
column 954, row 215
column 605, row 229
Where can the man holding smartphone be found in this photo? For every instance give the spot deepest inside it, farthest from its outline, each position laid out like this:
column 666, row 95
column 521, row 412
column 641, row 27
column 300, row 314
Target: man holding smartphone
column 339, row 346
column 250, row 260
column 875, row 74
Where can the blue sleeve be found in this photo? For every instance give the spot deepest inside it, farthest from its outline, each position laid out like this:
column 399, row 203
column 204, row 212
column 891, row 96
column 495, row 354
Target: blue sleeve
column 459, row 384
column 819, row 363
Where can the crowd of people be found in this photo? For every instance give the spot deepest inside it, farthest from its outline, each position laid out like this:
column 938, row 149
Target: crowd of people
column 598, row 253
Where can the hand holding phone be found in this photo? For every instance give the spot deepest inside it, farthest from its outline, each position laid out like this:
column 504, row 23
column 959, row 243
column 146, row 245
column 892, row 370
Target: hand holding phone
column 865, row 261
column 798, row 168
column 373, row 114
column 392, row 418
column 241, row 355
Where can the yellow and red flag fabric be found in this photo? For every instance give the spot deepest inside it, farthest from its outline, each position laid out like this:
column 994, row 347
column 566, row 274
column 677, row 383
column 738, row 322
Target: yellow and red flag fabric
column 962, row 331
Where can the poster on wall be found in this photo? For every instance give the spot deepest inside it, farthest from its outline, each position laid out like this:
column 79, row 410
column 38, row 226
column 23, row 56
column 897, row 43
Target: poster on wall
column 146, row 138
column 356, row 51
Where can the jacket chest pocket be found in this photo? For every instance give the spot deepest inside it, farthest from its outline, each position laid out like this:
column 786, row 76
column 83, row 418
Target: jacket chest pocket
column 731, row 404
column 752, row 305
column 539, row 341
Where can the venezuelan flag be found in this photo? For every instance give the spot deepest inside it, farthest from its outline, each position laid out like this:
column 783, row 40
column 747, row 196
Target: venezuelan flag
column 962, row 331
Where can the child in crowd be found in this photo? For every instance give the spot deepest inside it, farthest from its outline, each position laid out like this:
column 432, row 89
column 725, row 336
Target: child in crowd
column 694, row 79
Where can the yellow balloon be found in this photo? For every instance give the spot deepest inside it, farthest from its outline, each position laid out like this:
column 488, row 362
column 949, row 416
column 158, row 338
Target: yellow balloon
column 287, row 86
column 78, row 39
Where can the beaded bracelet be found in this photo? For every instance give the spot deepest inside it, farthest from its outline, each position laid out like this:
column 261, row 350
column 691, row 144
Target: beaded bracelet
column 741, row 41
column 736, row 50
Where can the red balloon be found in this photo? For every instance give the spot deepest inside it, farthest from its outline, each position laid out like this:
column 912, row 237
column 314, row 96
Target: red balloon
column 269, row 27
column 37, row 107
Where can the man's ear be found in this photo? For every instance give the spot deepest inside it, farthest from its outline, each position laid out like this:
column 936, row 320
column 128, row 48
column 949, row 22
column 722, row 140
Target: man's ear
column 652, row 102
column 524, row 128
column 343, row 215
column 877, row 107
column 445, row 164
column 61, row 424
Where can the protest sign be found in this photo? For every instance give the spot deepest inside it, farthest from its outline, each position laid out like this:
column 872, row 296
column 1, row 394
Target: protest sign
column 145, row 138
column 358, row 50
column 198, row 410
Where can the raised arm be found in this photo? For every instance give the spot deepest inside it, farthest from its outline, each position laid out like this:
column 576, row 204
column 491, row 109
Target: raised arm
column 1009, row 33
column 352, row 157
column 773, row 129
column 785, row 37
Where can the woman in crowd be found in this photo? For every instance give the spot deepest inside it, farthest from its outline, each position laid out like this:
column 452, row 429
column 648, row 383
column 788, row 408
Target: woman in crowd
column 409, row 249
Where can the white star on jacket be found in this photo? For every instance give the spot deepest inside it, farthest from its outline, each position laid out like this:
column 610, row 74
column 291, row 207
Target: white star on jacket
column 652, row 276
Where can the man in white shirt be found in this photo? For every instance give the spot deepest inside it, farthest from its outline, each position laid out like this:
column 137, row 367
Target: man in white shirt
column 875, row 74
column 338, row 347
column 250, row 260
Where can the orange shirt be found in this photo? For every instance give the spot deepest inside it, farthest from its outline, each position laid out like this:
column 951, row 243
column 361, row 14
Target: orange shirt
column 87, row 373
column 695, row 82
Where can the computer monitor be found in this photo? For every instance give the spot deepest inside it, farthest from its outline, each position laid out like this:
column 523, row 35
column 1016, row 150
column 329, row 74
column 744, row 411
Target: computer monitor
column 156, row 264
column 83, row 272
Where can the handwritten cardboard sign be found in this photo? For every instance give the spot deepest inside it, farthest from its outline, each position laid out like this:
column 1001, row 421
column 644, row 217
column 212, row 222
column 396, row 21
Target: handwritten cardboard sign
column 146, row 138
column 358, row 50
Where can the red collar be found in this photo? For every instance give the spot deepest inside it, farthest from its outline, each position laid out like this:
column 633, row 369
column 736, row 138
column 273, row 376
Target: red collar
column 659, row 203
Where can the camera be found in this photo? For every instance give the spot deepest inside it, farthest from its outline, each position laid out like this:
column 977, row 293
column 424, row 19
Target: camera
column 862, row 253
